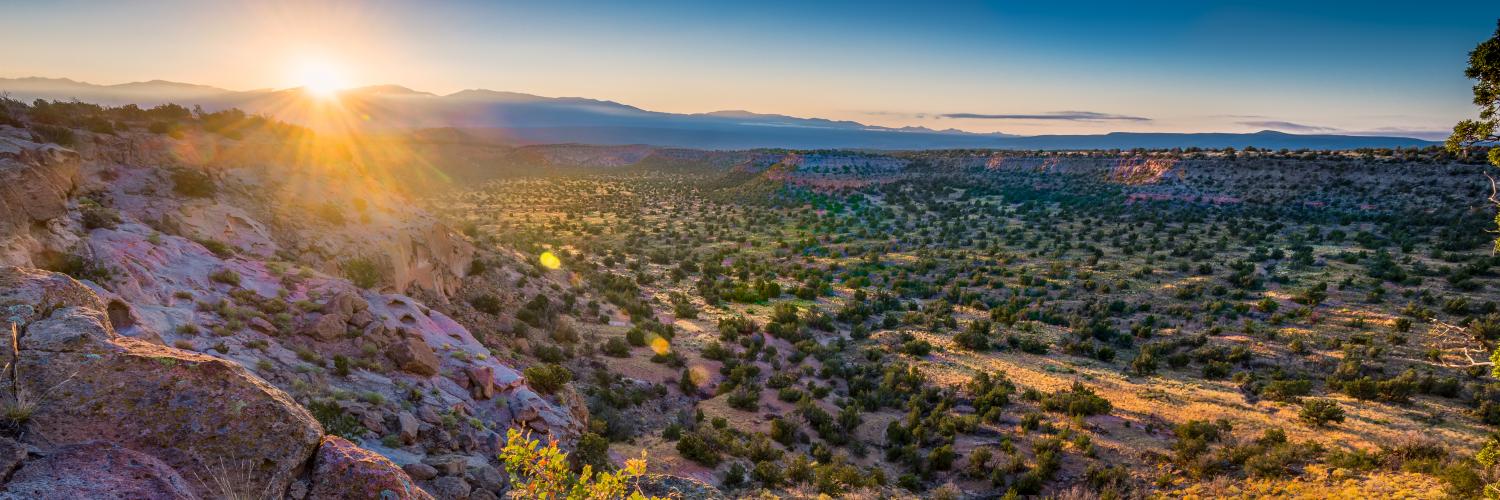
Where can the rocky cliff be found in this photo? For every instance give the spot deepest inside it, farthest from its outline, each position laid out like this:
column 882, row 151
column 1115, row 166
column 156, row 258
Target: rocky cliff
column 238, row 302
column 36, row 184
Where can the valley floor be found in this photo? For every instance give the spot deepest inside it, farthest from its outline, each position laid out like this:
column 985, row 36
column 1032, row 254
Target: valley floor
column 1247, row 334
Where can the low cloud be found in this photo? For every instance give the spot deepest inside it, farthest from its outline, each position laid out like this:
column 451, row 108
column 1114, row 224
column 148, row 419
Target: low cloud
column 1427, row 134
column 1072, row 116
column 1287, row 126
column 900, row 114
column 1284, row 126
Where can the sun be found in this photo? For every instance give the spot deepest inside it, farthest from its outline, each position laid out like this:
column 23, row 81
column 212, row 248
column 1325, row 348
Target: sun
column 322, row 80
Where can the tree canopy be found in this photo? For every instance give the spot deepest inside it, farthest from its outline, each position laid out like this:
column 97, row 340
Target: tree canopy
column 1484, row 66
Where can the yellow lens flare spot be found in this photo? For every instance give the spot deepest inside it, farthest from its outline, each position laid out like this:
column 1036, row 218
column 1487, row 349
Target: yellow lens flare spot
column 659, row 344
column 550, row 261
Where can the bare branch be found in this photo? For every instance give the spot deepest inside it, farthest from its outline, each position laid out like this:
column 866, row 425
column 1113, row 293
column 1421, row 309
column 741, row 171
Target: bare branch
column 1494, row 190
column 1451, row 338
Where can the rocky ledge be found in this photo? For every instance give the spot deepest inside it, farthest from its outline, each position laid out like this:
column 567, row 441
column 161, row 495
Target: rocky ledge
column 231, row 309
column 90, row 413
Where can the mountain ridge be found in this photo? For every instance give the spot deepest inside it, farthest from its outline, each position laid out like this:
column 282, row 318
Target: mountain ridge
column 533, row 119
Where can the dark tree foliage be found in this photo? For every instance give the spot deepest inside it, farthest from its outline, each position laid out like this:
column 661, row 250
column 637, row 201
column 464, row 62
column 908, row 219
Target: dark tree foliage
column 1484, row 67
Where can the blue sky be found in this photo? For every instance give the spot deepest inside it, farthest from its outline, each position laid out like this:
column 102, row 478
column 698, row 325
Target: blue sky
column 1033, row 67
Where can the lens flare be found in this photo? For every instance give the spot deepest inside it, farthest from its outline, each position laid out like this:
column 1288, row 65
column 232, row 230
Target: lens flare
column 320, row 79
column 660, row 345
column 550, row 261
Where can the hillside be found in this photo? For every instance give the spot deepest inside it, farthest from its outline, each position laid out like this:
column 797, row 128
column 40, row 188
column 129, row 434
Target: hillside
column 269, row 316
column 373, row 315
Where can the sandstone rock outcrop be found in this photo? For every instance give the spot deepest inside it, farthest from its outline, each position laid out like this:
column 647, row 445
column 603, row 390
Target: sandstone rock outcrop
column 244, row 283
column 413, row 355
column 199, row 414
column 345, row 471
column 36, row 182
column 28, row 294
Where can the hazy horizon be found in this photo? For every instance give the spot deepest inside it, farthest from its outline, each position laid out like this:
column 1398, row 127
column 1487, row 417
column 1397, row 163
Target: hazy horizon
column 1165, row 67
column 1271, row 126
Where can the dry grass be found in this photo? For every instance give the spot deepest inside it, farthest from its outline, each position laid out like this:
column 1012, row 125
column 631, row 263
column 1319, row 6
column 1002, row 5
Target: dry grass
column 1174, row 398
column 1318, row 483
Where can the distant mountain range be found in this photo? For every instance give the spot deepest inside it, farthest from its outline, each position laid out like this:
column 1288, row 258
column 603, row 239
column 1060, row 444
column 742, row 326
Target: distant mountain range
column 528, row 119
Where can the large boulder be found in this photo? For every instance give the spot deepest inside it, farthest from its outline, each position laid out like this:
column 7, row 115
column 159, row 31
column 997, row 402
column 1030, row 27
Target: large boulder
column 328, row 326
column 408, row 427
column 347, row 304
column 481, row 382
column 451, row 488
column 346, row 471
column 97, row 471
column 26, row 294
column 203, row 416
column 413, row 355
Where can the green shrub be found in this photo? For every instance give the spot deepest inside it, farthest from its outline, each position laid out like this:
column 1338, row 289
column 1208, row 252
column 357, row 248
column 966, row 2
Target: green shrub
column 548, row 353
column 1460, row 480
column 1357, row 460
column 745, row 398
column 363, row 272
column 1288, row 391
column 1145, row 363
column 941, row 458
column 225, row 276
column 97, row 217
column 1319, row 412
column 84, row 269
column 696, row 447
column 218, row 248
column 1108, row 481
column 547, row 378
column 768, row 474
column 486, row 303
column 62, row 136
column 1194, row 436
column 616, row 348
column 636, row 336
column 193, row 184
column 784, row 431
column 1076, row 401
column 334, row 420
column 975, row 337
column 592, row 451
column 1275, row 459
column 919, row 348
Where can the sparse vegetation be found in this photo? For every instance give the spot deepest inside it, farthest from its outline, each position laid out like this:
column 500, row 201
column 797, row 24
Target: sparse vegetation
column 541, row 471
column 547, row 378
column 848, row 303
column 363, row 272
